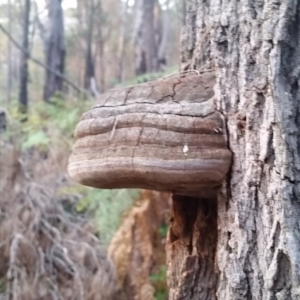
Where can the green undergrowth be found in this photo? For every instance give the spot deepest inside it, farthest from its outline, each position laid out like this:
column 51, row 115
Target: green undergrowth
column 106, row 206
column 158, row 280
column 2, row 285
column 50, row 126
column 163, row 230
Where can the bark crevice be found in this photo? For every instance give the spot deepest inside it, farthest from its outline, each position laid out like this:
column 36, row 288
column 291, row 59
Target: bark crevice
column 191, row 253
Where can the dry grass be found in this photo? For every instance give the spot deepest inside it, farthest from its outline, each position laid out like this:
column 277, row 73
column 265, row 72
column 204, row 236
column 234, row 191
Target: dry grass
column 46, row 252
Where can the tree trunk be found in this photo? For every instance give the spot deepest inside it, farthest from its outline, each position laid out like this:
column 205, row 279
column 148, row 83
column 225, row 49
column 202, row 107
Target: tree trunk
column 23, row 94
column 183, row 11
column 245, row 244
column 122, row 42
column 89, row 64
column 89, row 76
column 55, row 52
column 101, row 44
column 9, row 51
column 146, row 48
column 163, row 32
column 193, row 236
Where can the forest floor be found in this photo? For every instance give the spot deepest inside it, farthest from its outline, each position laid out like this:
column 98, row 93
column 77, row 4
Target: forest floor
column 60, row 240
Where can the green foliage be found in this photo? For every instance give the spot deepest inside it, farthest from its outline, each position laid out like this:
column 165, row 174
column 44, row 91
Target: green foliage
column 49, row 123
column 106, row 206
column 2, row 285
column 36, row 139
column 72, row 190
column 12, row 132
column 111, row 208
column 163, row 230
column 158, row 280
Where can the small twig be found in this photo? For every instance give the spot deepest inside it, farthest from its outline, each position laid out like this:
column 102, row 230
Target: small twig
column 51, row 230
column 114, row 129
column 12, row 271
column 72, row 225
column 56, row 294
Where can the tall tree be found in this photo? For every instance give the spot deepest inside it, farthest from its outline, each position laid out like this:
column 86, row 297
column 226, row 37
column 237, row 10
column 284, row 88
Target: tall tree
column 55, row 49
column 163, row 25
column 23, row 93
column 146, row 47
column 101, row 39
column 123, row 39
column 89, row 76
column 151, row 35
column 91, row 18
column 244, row 244
column 9, row 56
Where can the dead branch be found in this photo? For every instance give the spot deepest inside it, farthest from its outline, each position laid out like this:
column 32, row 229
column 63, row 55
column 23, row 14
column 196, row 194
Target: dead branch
column 12, row 276
column 38, row 62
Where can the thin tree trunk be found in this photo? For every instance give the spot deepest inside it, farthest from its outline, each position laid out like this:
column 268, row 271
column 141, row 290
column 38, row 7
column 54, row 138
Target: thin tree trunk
column 93, row 11
column 163, row 37
column 42, row 29
column 122, row 43
column 146, row 47
column 89, row 64
column 102, row 38
column 23, row 93
column 55, row 55
column 183, row 7
column 9, row 52
column 148, row 35
column 89, row 77
column 254, row 47
column 102, row 62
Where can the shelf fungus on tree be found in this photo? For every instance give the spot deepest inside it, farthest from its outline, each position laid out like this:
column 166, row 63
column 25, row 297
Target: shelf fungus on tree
column 162, row 135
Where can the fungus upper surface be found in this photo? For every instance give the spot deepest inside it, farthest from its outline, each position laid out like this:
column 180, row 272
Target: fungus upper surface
column 162, row 135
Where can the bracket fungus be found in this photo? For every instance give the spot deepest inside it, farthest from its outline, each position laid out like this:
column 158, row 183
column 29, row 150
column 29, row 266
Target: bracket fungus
column 163, row 135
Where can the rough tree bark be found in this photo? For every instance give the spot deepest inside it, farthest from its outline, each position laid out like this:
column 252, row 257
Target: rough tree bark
column 55, row 49
column 245, row 244
column 23, row 93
